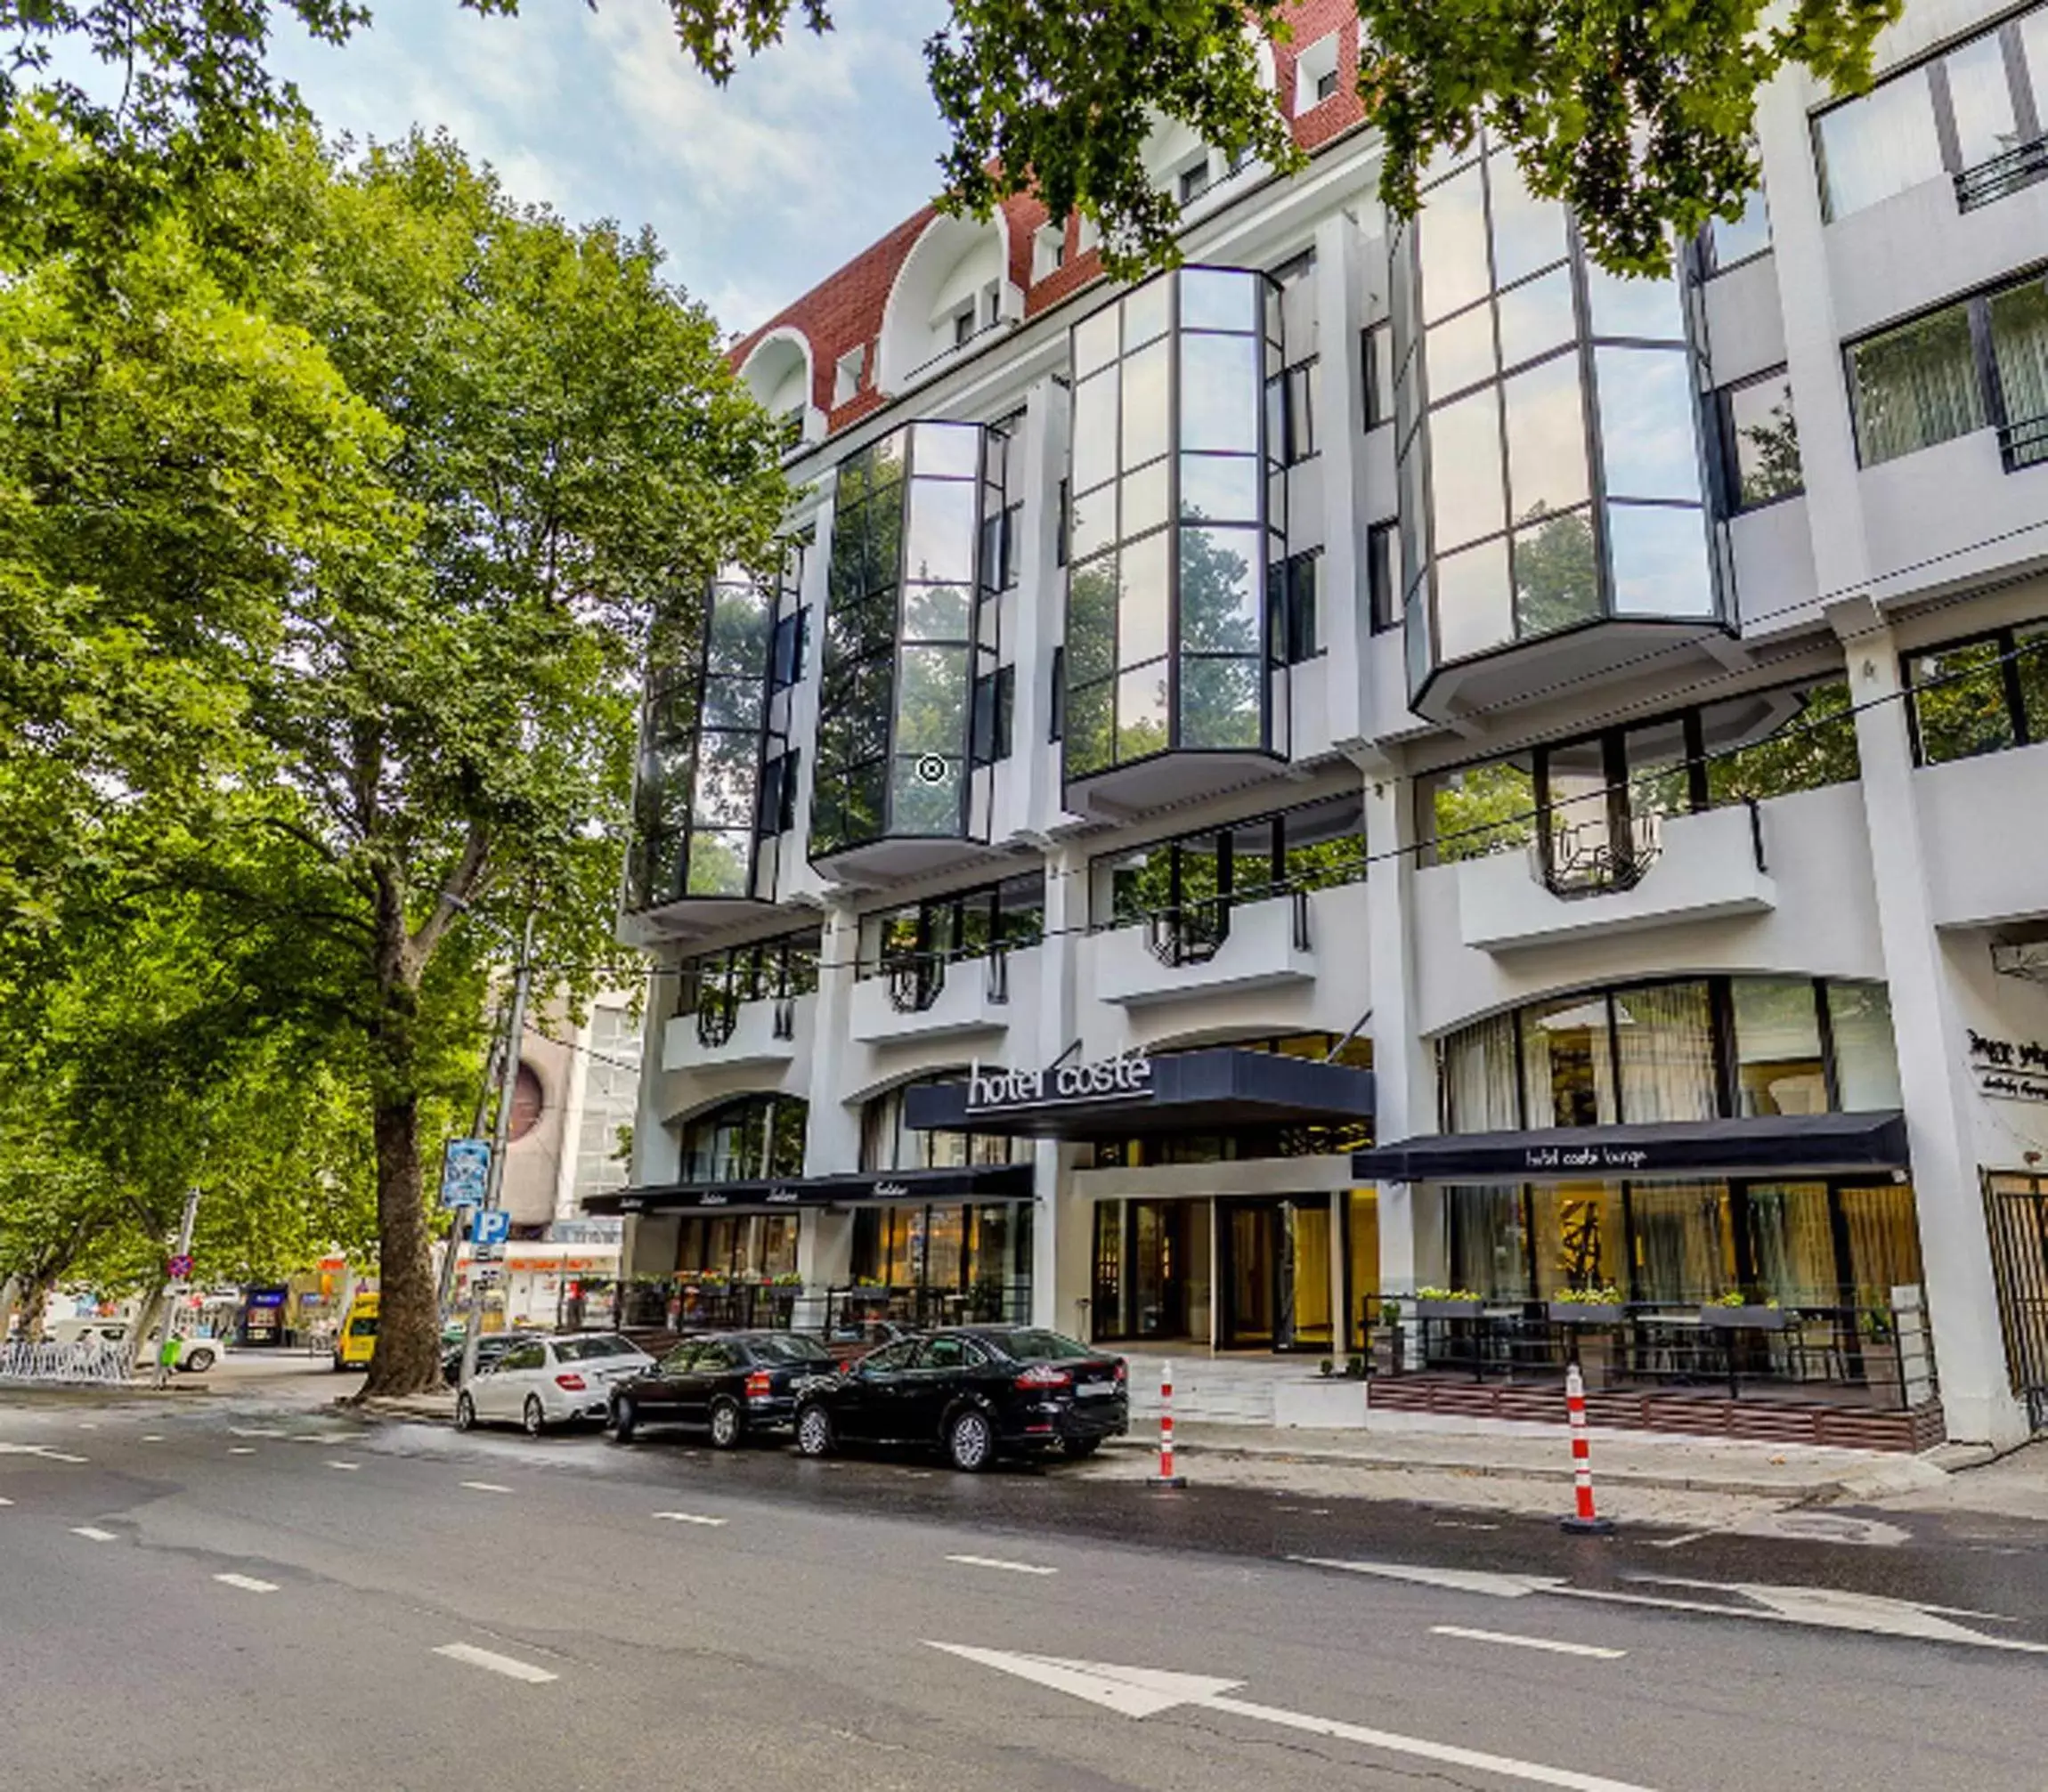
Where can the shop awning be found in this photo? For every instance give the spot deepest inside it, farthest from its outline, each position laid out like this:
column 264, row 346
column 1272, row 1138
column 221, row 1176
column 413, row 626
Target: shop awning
column 1771, row 1145
column 1210, row 1091
column 971, row 1182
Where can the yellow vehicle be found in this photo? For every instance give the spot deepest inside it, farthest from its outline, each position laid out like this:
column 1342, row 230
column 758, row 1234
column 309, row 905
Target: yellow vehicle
column 357, row 1339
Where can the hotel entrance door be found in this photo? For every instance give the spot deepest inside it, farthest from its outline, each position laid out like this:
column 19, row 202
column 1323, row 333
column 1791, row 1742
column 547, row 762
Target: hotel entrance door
column 1150, row 1262
column 1276, row 1274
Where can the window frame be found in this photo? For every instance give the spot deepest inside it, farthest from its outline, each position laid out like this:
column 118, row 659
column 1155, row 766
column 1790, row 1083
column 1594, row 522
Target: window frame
column 1728, row 455
column 1383, row 576
column 2005, row 637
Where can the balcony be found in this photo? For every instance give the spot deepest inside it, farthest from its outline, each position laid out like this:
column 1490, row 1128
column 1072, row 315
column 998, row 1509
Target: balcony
column 1206, row 948
column 1682, row 868
column 2023, row 443
column 726, row 1033
column 1981, row 873
column 932, row 995
column 2001, row 176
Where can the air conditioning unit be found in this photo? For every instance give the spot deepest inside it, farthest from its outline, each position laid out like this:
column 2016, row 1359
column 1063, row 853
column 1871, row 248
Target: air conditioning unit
column 2029, row 961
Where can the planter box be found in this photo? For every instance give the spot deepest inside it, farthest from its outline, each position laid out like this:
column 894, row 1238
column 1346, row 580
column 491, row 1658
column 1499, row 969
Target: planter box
column 1448, row 1310
column 1744, row 1318
column 1587, row 1313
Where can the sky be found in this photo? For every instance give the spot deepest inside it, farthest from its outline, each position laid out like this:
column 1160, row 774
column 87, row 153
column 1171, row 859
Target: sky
column 758, row 190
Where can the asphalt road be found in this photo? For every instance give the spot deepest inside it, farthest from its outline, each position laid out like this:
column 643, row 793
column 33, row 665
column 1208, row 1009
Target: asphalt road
column 405, row 1608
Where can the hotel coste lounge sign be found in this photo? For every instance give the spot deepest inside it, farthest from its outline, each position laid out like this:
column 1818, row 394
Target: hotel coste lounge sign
column 2014, row 1069
column 1122, row 1078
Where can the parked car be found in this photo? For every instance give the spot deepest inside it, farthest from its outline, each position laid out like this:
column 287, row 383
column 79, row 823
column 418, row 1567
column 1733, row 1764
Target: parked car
column 853, row 1338
column 977, row 1392
column 540, row 1381
column 196, row 1355
column 733, row 1385
column 490, row 1347
column 356, row 1341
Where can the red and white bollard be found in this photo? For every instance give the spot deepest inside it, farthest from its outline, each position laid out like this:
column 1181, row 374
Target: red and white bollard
column 1167, row 1478
column 1584, row 1520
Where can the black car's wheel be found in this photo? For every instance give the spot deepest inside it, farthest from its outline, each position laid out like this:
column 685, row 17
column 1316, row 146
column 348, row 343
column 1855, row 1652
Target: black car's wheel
column 969, row 1441
column 620, row 1422
column 535, row 1416
column 1077, row 1448
column 814, row 1432
column 200, row 1362
column 726, row 1424
column 465, row 1413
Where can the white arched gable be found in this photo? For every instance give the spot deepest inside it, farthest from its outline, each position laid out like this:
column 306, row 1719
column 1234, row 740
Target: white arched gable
column 956, row 265
column 777, row 372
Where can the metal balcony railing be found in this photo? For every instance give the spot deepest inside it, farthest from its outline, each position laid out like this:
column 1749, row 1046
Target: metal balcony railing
column 2023, row 443
column 717, row 1014
column 1595, row 858
column 785, row 1018
column 1189, row 934
column 916, row 979
column 2002, row 174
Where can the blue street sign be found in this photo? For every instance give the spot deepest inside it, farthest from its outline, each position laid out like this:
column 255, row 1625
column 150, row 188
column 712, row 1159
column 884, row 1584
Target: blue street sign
column 465, row 1169
column 493, row 1226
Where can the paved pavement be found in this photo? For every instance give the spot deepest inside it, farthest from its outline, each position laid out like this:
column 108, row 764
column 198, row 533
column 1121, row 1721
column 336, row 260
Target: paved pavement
column 199, row 1594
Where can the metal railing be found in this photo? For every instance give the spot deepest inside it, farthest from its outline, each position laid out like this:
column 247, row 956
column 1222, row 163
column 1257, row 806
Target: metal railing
column 1852, row 1352
column 687, row 1303
column 784, row 1025
column 920, row 1308
column 717, row 1016
column 2023, row 443
column 1594, row 858
column 916, row 979
column 2002, row 174
column 94, row 1364
column 1194, row 932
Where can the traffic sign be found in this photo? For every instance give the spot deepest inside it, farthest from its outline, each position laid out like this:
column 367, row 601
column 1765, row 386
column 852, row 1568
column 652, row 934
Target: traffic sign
column 493, row 1226
column 180, row 1268
column 465, row 1169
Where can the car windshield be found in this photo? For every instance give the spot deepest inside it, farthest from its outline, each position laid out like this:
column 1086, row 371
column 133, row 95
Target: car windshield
column 600, row 1344
column 1035, row 1346
column 788, row 1350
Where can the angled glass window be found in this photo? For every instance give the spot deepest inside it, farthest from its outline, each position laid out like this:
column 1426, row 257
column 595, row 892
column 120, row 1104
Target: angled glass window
column 1175, row 455
column 1761, row 437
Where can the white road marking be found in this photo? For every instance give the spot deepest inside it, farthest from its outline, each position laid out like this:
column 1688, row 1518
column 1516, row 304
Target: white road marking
column 351, row 1467
column 152, row 1437
column 88, row 1424
column 1680, row 1542
column 496, row 1664
column 487, row 1486
column 1457, row 1579
column 7, row 1502
column 93, row 1532
column 241, row 1449
column 1007, row 1567
column 246, row 1582
column 42, row 1450
column 688, row 1517
column 1554, row 1647
column 256, row 1431
column 1462, row 1524
column 1147, row 1691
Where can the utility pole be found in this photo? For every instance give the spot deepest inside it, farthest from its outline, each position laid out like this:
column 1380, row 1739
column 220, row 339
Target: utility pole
column 461, row 1222
column 180, row 1267
column 501, row 1135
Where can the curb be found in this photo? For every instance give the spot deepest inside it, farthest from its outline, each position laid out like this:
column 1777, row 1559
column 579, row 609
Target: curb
column 1807, row 1493
column 380, row 1407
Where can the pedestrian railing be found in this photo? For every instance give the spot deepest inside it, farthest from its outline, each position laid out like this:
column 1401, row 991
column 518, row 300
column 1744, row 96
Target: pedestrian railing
column 87, row 1363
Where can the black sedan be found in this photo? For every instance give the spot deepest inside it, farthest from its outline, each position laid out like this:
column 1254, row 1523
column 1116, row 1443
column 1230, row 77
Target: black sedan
column 978, row 1392
column 728, row 1384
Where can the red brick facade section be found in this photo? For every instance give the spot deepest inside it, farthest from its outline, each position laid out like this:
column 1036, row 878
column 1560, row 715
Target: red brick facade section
column 844, row 312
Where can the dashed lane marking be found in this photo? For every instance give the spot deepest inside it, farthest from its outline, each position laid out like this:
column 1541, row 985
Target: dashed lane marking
column 246, row 1582
column 1547, row 1643
column 507, row 1666
column 487, row 1487
column 241, row 1449
column 42, row 1450
column 7, row 1502
column 351, row 1467
column 688, row 1517
column 152, row 1437
column 93, row 1532
column 996, row 1562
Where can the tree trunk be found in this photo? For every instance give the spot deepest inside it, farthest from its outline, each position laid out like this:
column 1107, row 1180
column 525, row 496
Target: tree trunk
column 155, row 1311
column 10, row 1291
column 408, row 1358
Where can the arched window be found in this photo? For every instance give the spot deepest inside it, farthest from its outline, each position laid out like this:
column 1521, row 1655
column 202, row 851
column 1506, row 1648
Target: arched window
column 750, row 1138
column 886, row 1143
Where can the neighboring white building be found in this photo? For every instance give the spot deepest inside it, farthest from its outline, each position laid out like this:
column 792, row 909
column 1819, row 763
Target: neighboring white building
column 1586, row 740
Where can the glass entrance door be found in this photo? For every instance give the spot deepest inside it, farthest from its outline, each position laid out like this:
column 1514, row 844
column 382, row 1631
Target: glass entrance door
column 1148, row 1264
column 1306, row 1277
column 1276, row 1274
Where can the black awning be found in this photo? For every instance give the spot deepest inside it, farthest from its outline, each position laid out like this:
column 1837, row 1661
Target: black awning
column 1210, row 1091
column 1779, row 1144
column 971, row 1182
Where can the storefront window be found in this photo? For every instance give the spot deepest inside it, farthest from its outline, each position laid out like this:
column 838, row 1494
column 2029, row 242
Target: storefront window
column 887, row 1143
column 1578, row 1237
column 1866, row 1060
column 1791, row 1243
column 747, row 1140
column 1779, row 1066
column 1568, row 1064
column 1488, row 1245
column 1665, row 1033
column 1684, row 1247
column 1480, row 1076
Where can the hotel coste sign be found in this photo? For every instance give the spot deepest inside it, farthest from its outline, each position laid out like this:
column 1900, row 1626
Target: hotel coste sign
column 2014, row 1069
column 1122, row 1078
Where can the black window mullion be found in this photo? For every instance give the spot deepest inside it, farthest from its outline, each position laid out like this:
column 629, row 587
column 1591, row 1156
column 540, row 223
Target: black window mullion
column 1978, row 311
column 2009, row 682
column 1615, row 1057
column 1696, row 791
column 1722, row 1010
column 1830, row 1080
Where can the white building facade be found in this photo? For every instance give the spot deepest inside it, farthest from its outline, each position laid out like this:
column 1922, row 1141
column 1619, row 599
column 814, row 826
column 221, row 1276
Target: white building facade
column 1387, row 794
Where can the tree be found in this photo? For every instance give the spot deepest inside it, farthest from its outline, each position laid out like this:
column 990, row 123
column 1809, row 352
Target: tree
column 1640, row 118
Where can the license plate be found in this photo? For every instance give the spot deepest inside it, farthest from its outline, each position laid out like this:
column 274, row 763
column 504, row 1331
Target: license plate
column 1091, row 1389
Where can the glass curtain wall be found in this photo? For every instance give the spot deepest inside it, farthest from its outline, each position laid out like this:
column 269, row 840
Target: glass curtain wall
column 1176, row 518
column 1548, row 429
column 1315, row 847
column 704, row 734
column 910, row 627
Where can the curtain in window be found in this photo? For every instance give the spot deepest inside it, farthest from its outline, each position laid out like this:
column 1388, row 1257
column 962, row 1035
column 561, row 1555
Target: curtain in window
column 1915, row 386
column 1883, row 1242
column 1681, row 1241
column 1479, row 1077
column 1568, row 1072
column 1488, row 1251
column 1791, row 1244
column 1666, row 1035
column 2020, row 344
column 1865, row 1062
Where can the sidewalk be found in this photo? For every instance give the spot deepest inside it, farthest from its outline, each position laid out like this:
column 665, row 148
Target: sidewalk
column 435, row 1408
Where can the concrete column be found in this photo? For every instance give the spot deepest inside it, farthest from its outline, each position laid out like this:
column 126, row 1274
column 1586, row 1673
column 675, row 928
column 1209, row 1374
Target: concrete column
column 1411, row 1232
column 1340, row 400
column 1033, row 767
column 1962, row 1307
column 1060, row 1274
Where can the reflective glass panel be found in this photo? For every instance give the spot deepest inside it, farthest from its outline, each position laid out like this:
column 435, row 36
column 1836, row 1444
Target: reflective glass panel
column 1453, row 241
column 1556, row 574
column 935, row 613
column 1624, row 305
column 1546, row 438
column 1567, row 1064
column 1220, row 488
column 944, row 531
column 1648, row 424
column 2034, row 44
column 1220, row 704
column 1879, row 145
column 1980, row 99
column 925, row 795
column 1090, row 731
column 1220, row 578
column 1095, row 342
column 1536, row 317
column 1475, row 606
column 2019, row 347
column 1091, row 621
column 1748, row 235
column 1147, row 411
column 1865, row 1057
column 1528, row 233
column 1666, row 1036
column 931, row 700
column 1960, row 706
column 1216, row 298
column 946, row 452
column 1778, row 1065
column 1142, row 711
column 1914, row 386
column 1661, row 565
column 1094, row 449
column 1465, row 469
column 1141, row 612
column 1459, row 352
column 1145, row 498
column 1764, row 439
column 1220, row 391
column 1145, row 312
column 1091, row 521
